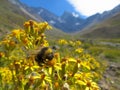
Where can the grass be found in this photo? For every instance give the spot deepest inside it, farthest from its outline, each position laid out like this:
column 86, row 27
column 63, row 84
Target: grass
column 110, row 53
column 11, row 16
column 117, row 40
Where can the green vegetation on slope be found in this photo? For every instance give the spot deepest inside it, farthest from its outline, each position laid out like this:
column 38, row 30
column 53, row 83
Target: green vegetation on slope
column 10, row 16
column 106, row 49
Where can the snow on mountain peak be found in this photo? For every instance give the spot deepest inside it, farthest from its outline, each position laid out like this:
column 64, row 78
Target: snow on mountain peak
column 40, row 11
column 52, row 22
column 75, row 14
column 77, row 23
column 13, row 1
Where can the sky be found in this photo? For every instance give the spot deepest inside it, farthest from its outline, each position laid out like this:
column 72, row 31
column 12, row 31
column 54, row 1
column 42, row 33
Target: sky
column 55, row 6
column 83, row 7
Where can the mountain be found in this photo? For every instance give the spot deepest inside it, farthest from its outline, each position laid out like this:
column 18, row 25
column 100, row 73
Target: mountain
column 14, row 13
column 68, row 22
column 71, row 22
column 97, row 18
column 109, row 28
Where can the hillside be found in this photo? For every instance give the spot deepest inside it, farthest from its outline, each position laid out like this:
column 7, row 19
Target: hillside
column 13, row 14
column 67, row 22
column 72, row 22
column 109, row 28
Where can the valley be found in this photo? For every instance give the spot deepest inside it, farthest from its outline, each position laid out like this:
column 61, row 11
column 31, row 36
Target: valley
column 99, row 34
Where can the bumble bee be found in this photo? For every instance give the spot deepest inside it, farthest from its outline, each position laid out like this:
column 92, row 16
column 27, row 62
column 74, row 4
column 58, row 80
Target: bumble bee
column 44, row 55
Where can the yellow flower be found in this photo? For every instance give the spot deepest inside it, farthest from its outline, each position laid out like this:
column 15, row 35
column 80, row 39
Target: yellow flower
column 77, row 43
column 6, row 74
column 36, row 30
column 17, row 65
column 62, row 41
column 9, row 44
column 46, row 26
column 26, row 24
column 12, row 43
column 57, row 66
column 31, row 22
column 72, row 60
column 43, row 26
column 79, row 50
column 45, row 43
column 5, row 41
column 86, row 65
column 71, row 43
column 49, row 27
column 2, row 54
column 31, row 67
column 56, row 84
column 90, row 85
column 16, row 32
column 25, row 40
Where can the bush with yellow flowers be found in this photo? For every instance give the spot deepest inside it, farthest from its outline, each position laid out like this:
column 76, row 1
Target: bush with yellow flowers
column 28, row 63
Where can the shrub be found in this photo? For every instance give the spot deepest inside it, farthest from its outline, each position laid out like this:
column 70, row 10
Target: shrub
column 28, row 62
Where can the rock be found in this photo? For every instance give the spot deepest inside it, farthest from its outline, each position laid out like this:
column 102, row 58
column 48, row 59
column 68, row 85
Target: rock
column 111, row 77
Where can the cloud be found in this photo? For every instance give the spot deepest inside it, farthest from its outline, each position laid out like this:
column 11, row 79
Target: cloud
column 90, row 7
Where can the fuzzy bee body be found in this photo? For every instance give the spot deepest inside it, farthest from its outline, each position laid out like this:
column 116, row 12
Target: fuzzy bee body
column 44, row 55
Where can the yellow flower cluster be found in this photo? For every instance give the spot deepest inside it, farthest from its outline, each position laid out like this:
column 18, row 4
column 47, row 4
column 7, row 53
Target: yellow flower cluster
column 62, row 41
column 30, row 64
column 71, row 43
column 2, row 54
column 79, row 50
column 5, row 75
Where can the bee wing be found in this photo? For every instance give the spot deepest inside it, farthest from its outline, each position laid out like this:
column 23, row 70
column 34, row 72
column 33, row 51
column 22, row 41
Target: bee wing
column 31, row 53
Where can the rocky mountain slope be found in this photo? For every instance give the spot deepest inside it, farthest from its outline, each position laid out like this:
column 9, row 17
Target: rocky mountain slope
column 13, row 14
column 109, row 28
column 111, row 77
column 68, row 22
column 97, row 18
column 71, row 22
